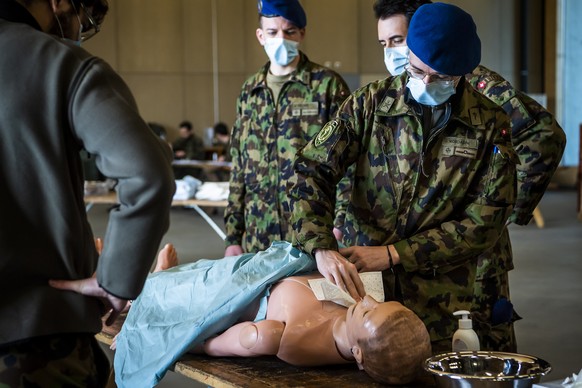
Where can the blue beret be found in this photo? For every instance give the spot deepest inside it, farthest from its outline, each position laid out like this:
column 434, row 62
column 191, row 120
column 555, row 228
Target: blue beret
column 288, row 9
column 444, row 37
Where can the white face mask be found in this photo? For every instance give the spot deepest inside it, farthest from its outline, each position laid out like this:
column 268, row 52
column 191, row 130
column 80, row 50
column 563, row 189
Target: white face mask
column 396, row 59
column 433, row 94
column 281, row 51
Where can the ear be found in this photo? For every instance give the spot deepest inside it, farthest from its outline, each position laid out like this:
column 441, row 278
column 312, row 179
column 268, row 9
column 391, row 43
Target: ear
column 260, row 36
column 358, row 356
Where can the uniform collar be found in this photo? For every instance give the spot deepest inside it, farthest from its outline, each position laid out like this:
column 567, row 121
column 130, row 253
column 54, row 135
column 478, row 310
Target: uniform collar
column 394, row 101
column 14, row 12
column 301, row 74
column 397, row 100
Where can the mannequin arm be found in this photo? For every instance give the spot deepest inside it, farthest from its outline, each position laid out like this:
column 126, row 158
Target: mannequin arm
column 247, row 339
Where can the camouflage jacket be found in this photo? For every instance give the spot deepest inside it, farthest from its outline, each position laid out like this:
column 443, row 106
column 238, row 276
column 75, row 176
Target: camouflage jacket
column 441, row 196
column 537, row 138
column 265, row 139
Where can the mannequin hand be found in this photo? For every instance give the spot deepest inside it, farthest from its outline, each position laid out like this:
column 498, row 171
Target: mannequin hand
column 367, row 259
column 90, row 287
column 335, row 268
column 233, row 250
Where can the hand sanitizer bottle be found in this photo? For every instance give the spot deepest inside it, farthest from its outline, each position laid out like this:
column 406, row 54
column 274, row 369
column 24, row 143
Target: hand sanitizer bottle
column 465, row 337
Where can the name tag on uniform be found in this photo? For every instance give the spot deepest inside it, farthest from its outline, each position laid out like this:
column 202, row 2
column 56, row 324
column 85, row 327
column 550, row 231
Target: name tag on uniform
column 460, row 146
column 305, row 109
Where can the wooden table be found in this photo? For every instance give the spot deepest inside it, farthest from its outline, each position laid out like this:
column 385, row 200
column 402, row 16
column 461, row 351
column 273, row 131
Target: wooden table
column 111, row 199
column 214, row 152
column 203, row 164
column 260, row 372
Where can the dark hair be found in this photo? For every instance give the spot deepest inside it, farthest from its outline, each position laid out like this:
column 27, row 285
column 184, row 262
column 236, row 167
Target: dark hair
column 185, row 124
column 98, row 12
column 221, row 128
column 384, row 9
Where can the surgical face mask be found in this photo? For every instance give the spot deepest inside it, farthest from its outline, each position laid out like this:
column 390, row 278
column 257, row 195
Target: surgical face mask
column 434, row 93
column 396, row 59
column 76, row 42
column 281, row 51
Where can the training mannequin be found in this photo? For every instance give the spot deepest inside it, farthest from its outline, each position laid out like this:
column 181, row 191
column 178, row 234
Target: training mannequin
column 387, row 340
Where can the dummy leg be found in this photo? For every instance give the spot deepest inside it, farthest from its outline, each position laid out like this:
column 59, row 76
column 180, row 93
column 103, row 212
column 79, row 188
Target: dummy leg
column 167, row 258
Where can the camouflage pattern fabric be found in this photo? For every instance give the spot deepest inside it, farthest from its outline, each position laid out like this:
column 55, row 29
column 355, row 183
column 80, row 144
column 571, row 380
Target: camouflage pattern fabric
column 539, row 142
column 493, row 322
column 68, row 360
column 537, row 138
column 441, row 197
column 265, row 139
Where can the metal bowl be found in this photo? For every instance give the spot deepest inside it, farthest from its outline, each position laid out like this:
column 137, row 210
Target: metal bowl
column 486, row 369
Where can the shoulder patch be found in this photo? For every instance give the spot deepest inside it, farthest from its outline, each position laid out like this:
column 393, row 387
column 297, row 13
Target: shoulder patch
column 326, row 132
column 484, row 81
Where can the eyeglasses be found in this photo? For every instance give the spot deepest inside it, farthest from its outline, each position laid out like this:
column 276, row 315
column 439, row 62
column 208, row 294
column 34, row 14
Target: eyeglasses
column 420, row 75
column 87, row 32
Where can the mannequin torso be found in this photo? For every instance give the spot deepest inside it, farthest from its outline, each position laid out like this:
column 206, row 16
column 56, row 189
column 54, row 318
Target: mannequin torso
column 308, row 335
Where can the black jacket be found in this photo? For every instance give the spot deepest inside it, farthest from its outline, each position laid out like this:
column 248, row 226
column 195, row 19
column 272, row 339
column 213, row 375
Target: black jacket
column 56, row 99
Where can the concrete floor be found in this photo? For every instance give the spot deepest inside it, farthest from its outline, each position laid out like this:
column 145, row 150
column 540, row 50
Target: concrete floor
column 546, row 284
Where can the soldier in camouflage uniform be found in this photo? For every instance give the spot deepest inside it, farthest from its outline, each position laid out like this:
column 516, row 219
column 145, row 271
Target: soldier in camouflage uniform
column 276, row 116
column 434, row 182
column 539, row 142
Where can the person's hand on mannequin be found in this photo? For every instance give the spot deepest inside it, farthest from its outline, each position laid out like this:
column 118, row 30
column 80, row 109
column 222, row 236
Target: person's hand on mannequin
column 338, row 270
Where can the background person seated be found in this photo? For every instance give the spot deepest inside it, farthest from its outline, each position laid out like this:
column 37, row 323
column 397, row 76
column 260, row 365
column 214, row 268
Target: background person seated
column 221, row 143
column 187, row 146
column 222, row 138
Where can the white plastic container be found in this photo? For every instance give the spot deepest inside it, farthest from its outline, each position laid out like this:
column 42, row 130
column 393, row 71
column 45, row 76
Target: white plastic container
column 465, row 337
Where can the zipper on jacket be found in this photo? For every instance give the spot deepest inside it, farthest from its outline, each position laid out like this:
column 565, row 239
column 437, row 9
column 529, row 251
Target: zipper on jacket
column 433, row 134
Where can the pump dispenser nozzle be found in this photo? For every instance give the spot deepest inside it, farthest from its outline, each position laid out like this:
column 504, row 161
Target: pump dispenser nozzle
column 465, row 337
column 465, row 322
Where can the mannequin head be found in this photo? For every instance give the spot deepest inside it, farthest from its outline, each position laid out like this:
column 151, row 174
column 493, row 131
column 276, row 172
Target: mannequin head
column 389, row 341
